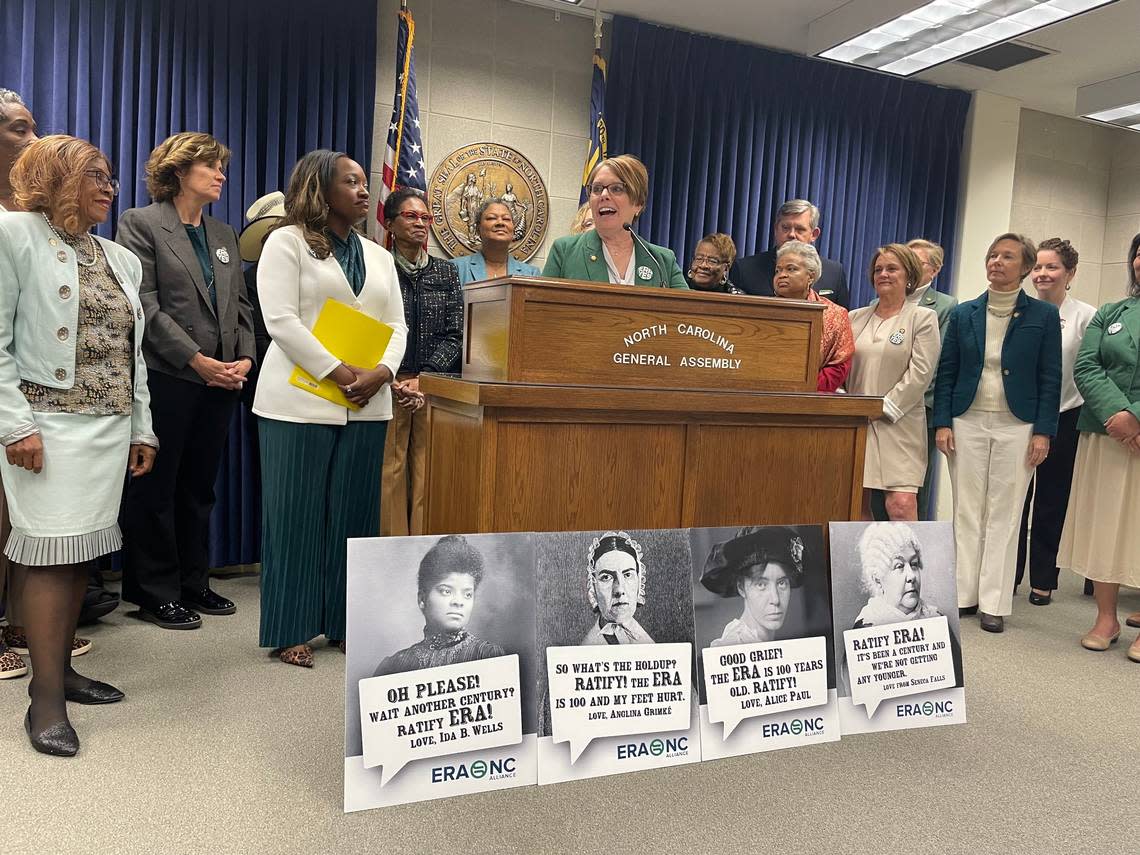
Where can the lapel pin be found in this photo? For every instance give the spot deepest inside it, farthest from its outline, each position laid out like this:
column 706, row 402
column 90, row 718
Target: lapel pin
column 222, row 254
column 1113, row 329
column 593, row 258
column 644, row 272
column 897, row 336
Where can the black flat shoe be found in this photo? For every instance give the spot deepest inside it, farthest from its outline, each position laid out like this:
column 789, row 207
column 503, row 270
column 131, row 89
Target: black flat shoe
column 95, row 692
column 992, row 623
column 209, row 603
column 59, row 740
column 171, row 616
column 97, row 603
column 1040, row 599
column 968, row 610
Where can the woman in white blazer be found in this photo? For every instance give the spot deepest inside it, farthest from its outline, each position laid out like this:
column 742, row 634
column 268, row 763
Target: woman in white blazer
column 897, row 345
column 74, row 408
column 320, row 461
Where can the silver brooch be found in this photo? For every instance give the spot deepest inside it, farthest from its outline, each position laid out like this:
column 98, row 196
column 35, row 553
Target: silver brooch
column 222, row 254
column 1113, row 329
column 644, row 272
column 897, row 337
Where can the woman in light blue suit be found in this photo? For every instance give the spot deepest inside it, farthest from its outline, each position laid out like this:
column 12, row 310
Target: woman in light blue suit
column 74, row 408
column 495, row 225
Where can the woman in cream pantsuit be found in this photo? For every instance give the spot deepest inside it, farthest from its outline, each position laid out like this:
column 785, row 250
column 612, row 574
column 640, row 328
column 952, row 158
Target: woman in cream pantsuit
column 896, row 351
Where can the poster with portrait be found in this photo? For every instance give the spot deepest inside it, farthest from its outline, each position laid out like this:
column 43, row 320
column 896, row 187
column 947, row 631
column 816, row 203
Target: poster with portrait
column 897, row 639
column 765, row 658
column 615, row 643
column 441, row 667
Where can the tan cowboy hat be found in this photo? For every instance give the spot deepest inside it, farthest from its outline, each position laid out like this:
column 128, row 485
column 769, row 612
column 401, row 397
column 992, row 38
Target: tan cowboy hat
column 262, row 214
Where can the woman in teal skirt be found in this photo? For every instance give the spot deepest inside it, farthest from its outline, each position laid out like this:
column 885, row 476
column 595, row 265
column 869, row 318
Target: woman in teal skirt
column 320, row 461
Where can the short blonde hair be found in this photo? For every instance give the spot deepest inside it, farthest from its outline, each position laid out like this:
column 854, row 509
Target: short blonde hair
column 579, row 224
column 49, row 174
column 1028, row 250
column 180, row 151
column 725, row 248
column 933, row 251
column 631, row 172
column 909, row 261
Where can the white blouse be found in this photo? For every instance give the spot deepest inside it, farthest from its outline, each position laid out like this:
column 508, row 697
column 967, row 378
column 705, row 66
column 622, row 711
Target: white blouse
column 1075, row 317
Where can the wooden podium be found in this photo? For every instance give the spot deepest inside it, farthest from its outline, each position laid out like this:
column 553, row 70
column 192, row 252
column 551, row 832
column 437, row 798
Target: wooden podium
column 584, row 406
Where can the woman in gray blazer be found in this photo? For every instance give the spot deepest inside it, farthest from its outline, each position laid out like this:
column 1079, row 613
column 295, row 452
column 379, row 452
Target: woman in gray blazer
column 74, row 409
column 199, row 347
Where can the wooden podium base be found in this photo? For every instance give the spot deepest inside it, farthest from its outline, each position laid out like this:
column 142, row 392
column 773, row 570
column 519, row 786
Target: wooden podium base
column 518, row 457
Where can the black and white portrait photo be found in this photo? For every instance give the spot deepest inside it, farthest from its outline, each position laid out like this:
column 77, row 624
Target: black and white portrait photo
column 611, row 587
column 760, row 583
column 891, row 572
column 424, row 602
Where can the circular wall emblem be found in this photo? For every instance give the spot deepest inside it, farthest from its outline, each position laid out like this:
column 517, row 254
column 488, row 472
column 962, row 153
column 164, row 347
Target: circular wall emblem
column 481, row 171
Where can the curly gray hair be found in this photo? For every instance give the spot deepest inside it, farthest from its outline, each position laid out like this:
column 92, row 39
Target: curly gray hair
column 880, row 544
column 806, row 252
column 8, row 98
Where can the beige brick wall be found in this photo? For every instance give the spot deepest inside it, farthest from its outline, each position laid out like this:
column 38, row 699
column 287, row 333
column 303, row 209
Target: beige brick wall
column 500, row 71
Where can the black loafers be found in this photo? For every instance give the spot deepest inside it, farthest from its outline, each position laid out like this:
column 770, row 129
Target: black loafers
column 172, row 616
column 992, row 623
column 208, row 603
column 59, row 740
column 1040, row 599
column 963, row 611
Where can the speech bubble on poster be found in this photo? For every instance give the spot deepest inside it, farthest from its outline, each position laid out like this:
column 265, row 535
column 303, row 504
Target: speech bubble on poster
column 617, row 690
column 747, row 680
column 898, row 659
column 437, row 711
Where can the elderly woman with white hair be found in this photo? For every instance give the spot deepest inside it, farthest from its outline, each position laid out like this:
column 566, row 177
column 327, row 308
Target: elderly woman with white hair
column 890, row 560
column 797, row 267
column 615, row 586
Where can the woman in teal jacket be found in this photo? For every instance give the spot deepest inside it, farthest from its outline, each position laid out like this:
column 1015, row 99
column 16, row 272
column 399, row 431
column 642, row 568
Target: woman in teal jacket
column 996, row 404
column 619, row 188
column 495, row 225
column 1101, row 538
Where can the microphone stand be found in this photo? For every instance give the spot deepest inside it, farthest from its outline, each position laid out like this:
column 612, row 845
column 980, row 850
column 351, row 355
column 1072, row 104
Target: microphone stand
column 652, row 257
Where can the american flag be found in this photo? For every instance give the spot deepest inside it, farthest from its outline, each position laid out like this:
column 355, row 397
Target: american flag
column 404, row 157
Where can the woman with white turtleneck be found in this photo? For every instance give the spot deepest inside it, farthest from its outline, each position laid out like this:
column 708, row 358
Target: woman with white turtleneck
column 996, row 404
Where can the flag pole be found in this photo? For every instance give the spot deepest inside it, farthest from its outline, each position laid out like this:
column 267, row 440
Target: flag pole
column 597, row 25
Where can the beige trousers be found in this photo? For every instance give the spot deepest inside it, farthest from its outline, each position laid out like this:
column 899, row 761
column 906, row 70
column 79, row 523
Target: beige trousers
column 405, row 464
column 990, row 477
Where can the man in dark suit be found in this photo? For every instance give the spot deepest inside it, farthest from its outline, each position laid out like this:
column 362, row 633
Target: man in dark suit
column 797, row 219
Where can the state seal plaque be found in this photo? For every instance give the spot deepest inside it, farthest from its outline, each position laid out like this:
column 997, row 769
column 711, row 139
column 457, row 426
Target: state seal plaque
column 473, row 173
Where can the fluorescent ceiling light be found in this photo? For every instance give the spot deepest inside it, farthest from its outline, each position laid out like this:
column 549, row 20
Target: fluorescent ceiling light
column 1115, row 102
column 916, row 39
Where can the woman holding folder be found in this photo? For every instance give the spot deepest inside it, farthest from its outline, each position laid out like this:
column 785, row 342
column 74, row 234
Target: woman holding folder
column 320, row 459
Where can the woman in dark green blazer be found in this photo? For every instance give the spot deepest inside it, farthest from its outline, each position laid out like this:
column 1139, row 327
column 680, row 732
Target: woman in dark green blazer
column 996, row 404
column 619, row 187
column 1101, row 537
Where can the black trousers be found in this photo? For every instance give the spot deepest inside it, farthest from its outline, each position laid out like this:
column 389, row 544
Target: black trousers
column 1049, row 495
column 166, row 513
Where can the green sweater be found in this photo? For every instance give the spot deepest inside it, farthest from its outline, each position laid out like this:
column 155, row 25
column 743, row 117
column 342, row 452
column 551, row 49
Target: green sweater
column 1107, row 370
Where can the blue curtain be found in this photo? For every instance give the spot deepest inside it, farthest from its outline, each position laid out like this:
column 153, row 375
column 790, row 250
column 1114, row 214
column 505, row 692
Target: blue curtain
column 272, row 79
column 729, row 131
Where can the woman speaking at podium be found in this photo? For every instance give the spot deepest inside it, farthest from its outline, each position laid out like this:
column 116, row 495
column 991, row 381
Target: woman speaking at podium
column 611, row 251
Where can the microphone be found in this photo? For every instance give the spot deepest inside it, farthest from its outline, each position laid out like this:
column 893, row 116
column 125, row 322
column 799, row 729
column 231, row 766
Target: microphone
column 649, row 252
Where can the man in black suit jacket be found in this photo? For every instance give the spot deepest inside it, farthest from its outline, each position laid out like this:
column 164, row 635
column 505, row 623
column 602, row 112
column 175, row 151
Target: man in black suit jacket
column 797, row 219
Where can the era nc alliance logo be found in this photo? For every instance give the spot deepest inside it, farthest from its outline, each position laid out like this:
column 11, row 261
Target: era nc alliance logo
column 927, row 709
column 677, row 747
column 503, row 767
column 795, row 727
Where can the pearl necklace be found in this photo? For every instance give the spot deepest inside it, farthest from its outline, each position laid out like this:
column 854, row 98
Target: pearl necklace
column 78, row 258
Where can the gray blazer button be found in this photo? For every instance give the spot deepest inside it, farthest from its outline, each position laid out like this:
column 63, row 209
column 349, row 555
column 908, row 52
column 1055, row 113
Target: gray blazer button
column 62, row 256
column 60, row 374
column 65, row 292
column 62, row 333
column 1005, row 371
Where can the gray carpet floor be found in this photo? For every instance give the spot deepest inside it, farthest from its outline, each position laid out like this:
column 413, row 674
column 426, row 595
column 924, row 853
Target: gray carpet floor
column 220, row 749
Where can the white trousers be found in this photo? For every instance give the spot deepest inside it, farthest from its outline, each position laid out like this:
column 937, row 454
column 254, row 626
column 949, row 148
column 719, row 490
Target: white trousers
column 990, row 477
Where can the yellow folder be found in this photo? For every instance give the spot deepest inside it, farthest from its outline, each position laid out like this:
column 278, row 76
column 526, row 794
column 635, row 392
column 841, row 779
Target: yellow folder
column 352, row 337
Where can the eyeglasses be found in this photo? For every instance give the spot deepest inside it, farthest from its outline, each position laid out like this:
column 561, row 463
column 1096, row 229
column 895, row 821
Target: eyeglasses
column 415, row 216
column 103, row 181
column 707, row 259
column 616, row 189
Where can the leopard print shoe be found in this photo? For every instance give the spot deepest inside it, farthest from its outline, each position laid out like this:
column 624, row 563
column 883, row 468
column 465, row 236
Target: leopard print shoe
column 301, row 655
column 11, row 665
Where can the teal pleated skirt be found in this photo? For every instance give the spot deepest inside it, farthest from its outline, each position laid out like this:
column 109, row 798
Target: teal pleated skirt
column 320, row 485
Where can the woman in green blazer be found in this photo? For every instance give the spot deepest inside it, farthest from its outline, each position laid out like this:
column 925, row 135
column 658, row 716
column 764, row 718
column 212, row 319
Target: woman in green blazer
column 619, row 187
column 1101, row 538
